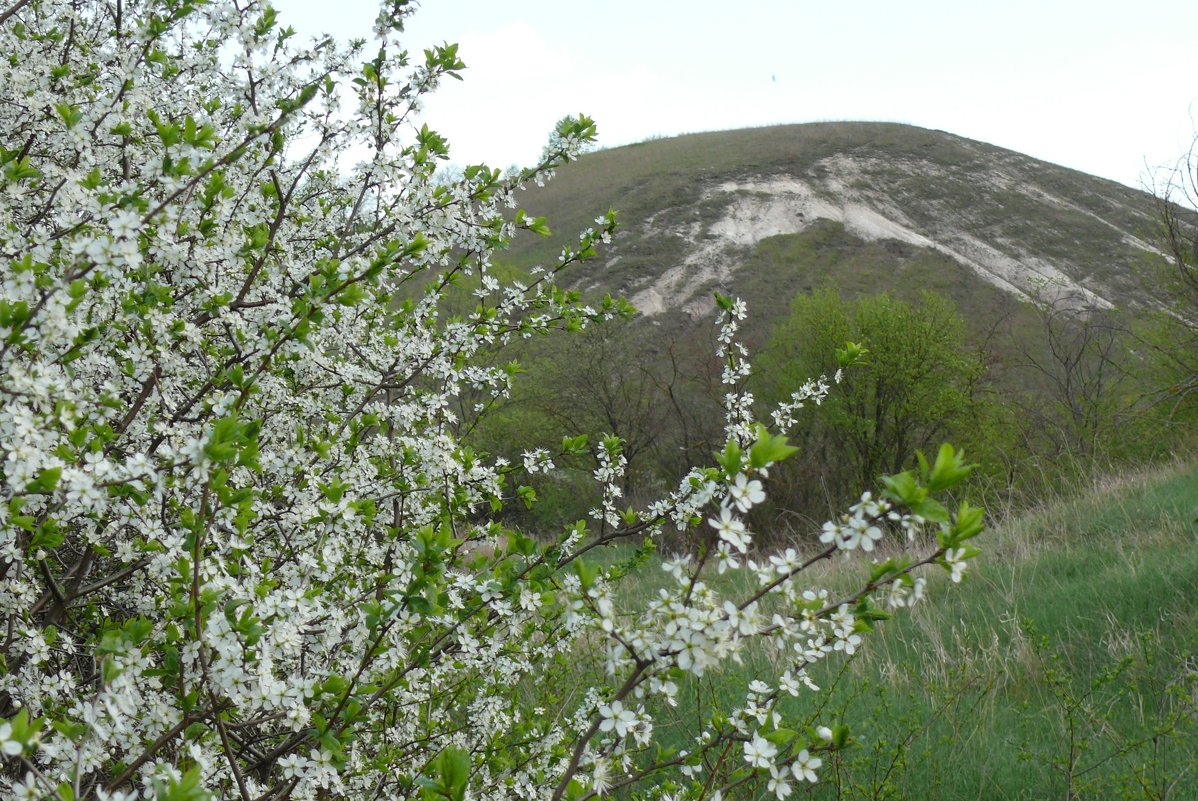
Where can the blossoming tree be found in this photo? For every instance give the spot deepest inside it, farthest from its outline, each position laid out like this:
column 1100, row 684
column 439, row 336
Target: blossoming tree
column 244, row 553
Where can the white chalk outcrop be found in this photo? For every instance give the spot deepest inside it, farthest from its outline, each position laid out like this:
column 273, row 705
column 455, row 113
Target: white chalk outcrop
column 754, row 210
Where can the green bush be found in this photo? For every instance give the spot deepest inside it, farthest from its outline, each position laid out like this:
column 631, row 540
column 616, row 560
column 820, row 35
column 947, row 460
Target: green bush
column 917, row 382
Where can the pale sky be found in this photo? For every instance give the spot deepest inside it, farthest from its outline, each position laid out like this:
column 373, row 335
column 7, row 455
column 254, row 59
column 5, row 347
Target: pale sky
column 1102, row 86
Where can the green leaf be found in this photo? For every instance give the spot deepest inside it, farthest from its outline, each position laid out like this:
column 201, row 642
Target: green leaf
column 528, row 495
column 24, row 731
column 455, row 772
column 307, row 93
column 69, row 115
column 93, row 180
column 538, row 225
column 969, row 522
column 852, row 353
column 575, row 790
column 782, row 737
column 573, row 445
column 904, row 488
column 167, row 132
column 20, row 170
column 586, row 572
column 950, row 469
column 45, row 482
column 769, row 449
column 880, row 570
column 731, row 459
column 931, row 510
column 187, row 788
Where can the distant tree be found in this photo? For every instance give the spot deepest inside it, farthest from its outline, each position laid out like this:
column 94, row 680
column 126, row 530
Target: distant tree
column 1080, row 369
column 1177, row 197
column 917, row 382
column 610, row 379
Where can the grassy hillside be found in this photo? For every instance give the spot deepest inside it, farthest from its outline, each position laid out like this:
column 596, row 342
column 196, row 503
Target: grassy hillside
column 1064, row 667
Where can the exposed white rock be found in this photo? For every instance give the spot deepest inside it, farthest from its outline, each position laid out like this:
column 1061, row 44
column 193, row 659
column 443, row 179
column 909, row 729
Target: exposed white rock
column 755, row 210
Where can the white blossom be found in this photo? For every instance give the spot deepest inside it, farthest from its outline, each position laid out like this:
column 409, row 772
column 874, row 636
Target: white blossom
column 760, row 752
column 249, row 541
column 805, row 765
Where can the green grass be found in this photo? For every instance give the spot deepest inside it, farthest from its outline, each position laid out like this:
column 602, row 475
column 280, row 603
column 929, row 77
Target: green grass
column 1065, row 666
column 1065, row 647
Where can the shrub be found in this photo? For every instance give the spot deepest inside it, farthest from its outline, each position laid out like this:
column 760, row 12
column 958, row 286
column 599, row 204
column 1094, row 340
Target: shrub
column 244, row 554
column 916, row 382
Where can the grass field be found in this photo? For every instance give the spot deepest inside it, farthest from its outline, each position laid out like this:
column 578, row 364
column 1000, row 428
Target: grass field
column 1064, row 669
column 1065, row 666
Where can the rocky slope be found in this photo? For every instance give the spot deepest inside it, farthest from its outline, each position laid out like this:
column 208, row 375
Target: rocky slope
column 698, row 210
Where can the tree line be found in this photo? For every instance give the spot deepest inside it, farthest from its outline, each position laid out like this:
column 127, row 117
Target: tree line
column 1053, row 392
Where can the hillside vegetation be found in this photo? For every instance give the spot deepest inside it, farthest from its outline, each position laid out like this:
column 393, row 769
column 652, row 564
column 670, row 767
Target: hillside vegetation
column 1067, row 669
column 1044, row 290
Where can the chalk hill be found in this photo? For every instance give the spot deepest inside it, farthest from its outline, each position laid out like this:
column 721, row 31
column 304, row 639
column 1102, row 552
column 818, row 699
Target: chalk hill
column 768, row 212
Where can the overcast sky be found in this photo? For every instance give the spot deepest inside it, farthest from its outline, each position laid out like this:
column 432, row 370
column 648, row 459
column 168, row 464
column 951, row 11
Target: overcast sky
column 1104, row 86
